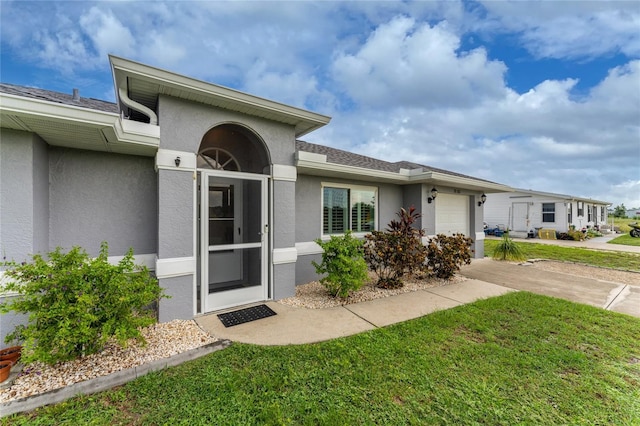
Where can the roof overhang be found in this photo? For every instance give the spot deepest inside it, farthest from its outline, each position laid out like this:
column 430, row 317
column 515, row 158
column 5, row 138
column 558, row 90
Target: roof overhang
column 144, row 84
column 75, row 127
column 563, row 197
column 316, row 164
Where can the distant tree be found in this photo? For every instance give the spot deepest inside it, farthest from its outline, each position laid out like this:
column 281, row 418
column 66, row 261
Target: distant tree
column 620, row 211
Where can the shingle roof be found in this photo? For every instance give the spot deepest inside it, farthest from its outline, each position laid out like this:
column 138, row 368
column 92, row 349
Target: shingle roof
column 57, row 97
column 338, row 156
column 334, row 155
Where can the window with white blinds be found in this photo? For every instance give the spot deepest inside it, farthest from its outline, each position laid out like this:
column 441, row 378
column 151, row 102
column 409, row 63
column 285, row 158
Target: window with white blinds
column 348, row 207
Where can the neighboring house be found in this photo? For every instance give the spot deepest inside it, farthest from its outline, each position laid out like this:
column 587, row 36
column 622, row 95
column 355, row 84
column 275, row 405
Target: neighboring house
column 210, row 186
column 525, row 210
column 633, row 213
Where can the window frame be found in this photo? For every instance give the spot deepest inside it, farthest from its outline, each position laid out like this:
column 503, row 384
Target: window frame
column 548, row 213
column 350, row 188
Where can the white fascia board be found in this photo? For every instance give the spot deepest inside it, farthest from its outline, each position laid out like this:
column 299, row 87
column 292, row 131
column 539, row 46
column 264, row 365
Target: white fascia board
column 20, row 105
column 172, row 79
column 564, row 197
column 306, row 163
column 341, row 170
column 130, row 131
column 465, row 182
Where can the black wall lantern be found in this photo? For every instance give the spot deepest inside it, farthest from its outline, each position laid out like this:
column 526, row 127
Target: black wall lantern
column 483, row 198
column 177, row 161
column 434, row 194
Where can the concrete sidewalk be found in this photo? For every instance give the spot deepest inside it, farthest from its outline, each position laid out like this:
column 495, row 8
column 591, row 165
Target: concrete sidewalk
column 598, row 243
column 294, row 325
column 488, row 278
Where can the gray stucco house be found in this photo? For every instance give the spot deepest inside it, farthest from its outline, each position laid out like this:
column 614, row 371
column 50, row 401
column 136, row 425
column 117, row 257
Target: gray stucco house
column 211, row 187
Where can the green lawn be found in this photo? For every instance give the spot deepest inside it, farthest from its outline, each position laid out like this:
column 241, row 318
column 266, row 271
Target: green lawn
column 516, row 359
column 626, row 240
column 602, row 258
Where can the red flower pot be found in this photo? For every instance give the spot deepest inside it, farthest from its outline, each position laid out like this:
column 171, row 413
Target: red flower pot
column 11, row 354
column 5, row 369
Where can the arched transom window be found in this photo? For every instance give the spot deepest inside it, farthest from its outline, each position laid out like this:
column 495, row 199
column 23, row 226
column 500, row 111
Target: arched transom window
column 217, row 159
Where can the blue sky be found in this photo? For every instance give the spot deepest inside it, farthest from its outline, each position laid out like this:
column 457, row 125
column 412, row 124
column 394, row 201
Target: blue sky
column 536, row 95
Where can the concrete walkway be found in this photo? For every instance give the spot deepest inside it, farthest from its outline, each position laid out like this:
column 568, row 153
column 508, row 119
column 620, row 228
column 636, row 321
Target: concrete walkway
column 294, row 325
column 488, row 278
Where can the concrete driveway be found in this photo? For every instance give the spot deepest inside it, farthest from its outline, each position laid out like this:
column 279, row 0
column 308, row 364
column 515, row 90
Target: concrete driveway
column 613, row 296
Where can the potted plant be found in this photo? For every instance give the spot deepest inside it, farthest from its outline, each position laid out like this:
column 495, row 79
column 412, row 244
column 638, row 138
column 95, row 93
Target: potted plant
column 11, row 354
column 5, row 369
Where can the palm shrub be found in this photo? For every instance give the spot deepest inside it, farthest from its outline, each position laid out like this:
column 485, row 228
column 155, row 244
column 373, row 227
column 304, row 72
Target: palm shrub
column 397, row 251
column 77, row 304
column 343, row 262
column 508, row 250
column 446, row 254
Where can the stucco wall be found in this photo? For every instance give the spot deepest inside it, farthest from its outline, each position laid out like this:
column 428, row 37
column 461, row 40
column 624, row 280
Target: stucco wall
column 284, row 215
column 184, row 124
column 309, row 204
column 308, row 217
column 412, row 196
column 9, row 321
column 175, row 192
column 24, row 196
column 40, row 196
column 305, row 271
column 16, row 214
column 97, row 196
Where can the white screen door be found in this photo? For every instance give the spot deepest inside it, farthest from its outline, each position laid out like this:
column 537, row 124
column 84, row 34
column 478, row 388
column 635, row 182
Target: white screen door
column 233, row 240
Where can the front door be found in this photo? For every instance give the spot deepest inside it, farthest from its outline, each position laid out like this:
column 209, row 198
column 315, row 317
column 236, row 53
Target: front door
column 233, row 239
column 520, row 217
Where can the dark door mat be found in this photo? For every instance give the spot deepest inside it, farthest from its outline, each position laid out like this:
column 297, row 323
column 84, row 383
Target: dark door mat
column 241, row 316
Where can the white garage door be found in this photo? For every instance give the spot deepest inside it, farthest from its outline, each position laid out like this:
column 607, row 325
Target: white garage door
column 452, row 214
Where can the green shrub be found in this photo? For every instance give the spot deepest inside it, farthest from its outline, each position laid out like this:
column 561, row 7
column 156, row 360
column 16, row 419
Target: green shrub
column 343, row 262
column 397, row 251
column 508, row 250
column 76, row 304
column 446, row 254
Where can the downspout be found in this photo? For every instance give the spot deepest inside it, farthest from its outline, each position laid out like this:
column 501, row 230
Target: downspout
column 153, row 118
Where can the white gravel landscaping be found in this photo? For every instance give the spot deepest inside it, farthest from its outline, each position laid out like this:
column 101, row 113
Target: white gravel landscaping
column 163, row 340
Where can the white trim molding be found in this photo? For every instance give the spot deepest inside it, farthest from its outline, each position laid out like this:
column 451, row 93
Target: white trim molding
column 307, row 248
column 284, row 255
column 166, row 159
column 282, row 172
column 175, row 267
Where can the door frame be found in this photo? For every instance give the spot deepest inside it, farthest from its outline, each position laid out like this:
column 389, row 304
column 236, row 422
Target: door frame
column 203, row 246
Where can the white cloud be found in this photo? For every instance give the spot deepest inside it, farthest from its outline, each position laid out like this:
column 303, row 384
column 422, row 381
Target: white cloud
column 411, row 64
column 395, row 75
column 570, row 29
column 106, row 32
